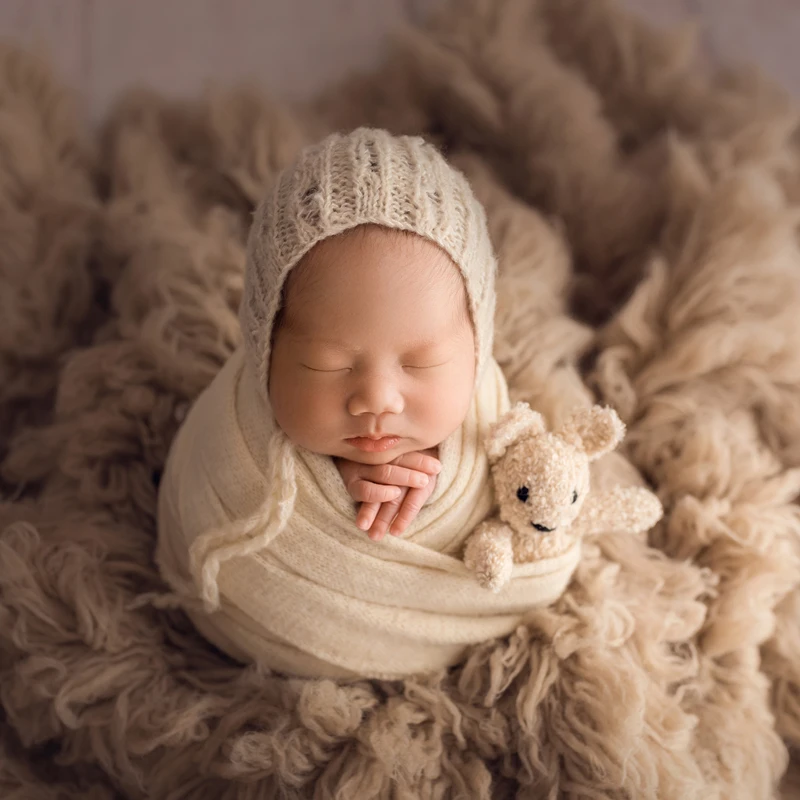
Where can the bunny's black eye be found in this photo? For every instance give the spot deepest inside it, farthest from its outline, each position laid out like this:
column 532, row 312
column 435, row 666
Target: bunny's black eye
column 522, row 494
column 575, row 497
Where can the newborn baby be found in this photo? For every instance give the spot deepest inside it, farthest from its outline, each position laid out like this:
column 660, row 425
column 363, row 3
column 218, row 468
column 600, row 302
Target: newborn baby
column 357, row 376
column 359, row 401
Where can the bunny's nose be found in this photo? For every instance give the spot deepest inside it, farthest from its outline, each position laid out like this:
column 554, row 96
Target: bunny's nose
column 542, row 528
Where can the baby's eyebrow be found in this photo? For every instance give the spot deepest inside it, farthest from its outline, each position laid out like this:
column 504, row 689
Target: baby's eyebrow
column 413, row 349
column 338, row 344
column 424, row 346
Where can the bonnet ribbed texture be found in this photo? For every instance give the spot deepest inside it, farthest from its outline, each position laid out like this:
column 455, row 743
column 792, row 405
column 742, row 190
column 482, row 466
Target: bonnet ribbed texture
column 364, row 177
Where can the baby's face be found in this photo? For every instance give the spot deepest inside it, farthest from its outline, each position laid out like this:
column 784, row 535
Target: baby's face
column 375, row 354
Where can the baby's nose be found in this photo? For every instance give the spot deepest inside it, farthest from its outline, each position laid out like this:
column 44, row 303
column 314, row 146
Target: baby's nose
column 376, row 396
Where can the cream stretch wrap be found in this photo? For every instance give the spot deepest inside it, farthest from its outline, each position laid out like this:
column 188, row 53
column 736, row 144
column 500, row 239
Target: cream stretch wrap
column 323, row 599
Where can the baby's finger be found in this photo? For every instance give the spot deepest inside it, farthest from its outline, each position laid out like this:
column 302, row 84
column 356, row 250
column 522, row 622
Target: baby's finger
column 366, row 515
column 419, row 461
column 396, row 475
column 408, row 511
column 383, row 520
column 363, row 491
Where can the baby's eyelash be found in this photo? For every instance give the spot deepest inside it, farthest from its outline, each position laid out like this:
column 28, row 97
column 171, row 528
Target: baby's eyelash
column 329, row 371
column 349, row 369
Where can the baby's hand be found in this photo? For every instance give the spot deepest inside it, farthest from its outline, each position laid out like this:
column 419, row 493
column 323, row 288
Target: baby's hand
column 390, row 494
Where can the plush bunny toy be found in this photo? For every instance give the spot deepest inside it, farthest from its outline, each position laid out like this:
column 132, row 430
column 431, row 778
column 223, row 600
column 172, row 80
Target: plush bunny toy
column 541, row 481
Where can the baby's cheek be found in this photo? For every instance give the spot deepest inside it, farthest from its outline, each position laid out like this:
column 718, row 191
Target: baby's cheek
column 450, row 398
column 441, row 413
column 325, row 408
column 316, row 397
column 294, row 402
column 310, row 418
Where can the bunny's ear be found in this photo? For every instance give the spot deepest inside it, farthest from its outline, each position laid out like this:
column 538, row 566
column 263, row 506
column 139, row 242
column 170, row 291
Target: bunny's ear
column 594, row 430
column 520, row 420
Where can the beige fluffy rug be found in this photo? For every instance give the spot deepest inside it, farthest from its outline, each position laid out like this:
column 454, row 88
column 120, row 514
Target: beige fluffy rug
column 645, row 214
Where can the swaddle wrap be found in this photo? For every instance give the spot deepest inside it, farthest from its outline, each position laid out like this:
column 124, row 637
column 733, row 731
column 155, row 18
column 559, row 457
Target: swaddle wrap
column 258, row 536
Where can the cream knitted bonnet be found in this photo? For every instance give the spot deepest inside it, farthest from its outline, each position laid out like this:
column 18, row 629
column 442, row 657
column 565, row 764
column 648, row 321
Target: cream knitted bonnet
column 366, row 176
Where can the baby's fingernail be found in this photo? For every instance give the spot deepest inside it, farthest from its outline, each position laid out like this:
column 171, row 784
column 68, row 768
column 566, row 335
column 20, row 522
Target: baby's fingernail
column 420, row 481
column 437, row 468
column 395, row 493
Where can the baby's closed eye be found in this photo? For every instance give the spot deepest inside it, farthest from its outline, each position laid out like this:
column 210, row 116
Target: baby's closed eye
column 411, row 365
column 424, row 366
column 320, row 369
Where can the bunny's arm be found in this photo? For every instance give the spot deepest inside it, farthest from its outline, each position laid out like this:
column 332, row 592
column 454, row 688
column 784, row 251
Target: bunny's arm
column 490, row 555
column 624, row 509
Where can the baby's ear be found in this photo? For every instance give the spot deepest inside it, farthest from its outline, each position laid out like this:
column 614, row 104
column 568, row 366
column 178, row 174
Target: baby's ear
column 594, row 430
column 520, row 420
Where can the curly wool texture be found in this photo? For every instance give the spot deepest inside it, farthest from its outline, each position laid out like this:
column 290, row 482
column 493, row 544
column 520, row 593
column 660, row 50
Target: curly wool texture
column 670, row 670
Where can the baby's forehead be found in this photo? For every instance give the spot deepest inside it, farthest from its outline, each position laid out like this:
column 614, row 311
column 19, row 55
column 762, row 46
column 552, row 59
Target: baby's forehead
column 375, row 273
column 338, row 257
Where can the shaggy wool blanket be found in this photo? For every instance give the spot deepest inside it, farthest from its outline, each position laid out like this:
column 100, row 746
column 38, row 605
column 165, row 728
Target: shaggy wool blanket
column 645, row 214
